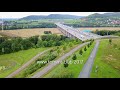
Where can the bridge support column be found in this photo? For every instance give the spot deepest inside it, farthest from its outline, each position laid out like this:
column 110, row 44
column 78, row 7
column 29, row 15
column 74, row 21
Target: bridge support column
column 65, row 32
column 68, row 34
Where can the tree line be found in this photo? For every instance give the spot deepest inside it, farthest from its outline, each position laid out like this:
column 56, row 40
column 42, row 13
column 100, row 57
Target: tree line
column 107, row 32
column 17, row 44
column 24, row 25
column 51, row 55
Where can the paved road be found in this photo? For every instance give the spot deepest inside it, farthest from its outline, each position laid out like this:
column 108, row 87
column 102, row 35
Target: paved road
column 72, row 32
column 51, row 65
column 26, row 64
column 85, row 73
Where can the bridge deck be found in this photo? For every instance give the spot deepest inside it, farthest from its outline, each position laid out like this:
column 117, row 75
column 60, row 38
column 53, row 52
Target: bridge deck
column 67, row 30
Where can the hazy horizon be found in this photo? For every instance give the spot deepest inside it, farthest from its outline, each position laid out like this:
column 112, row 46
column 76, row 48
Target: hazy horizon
column 24, row 14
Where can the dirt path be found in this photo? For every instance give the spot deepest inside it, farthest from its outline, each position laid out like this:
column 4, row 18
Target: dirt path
column 51, row 65
column 26, row 64
column 85, row 73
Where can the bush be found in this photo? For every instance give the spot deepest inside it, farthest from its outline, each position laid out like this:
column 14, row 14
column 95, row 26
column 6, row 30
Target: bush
column 64, row 48
column 85, row 49
column 88, row 45
column 119, row 49
column 35, row 66
column 110, row 41
column 74, row 57
column 65, row 64
column 39, row 43
column 26, row 44
column 2, row 39
column 33, row 39
column 52, row 57
column 83, row 41
column 70, row 44
column 58, row 43
column 32, row 69
column 47, row 32
column 81, row 52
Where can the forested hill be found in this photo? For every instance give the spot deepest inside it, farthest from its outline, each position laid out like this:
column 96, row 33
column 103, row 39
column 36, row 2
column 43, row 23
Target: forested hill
column 105, row 15
column 41, row 21
column 51, row 16
column 98, row 20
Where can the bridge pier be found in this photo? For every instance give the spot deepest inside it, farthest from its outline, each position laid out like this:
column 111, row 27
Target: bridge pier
column 66, row 33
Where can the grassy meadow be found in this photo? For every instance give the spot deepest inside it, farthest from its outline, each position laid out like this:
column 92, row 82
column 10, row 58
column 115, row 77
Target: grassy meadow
column 74, row 66
column 11, row 62
column 107, row 60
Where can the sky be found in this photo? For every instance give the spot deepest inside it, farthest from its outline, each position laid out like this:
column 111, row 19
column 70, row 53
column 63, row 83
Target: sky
column 24, row 14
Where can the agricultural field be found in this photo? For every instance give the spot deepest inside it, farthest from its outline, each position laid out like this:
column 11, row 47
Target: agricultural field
column 40, row 31
column 11, row 62
column 99, row 28
column 74, row 66
column 30, row 32
column 107, row 61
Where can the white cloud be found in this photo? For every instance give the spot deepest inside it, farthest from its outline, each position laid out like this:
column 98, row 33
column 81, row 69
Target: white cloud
column 23, row 14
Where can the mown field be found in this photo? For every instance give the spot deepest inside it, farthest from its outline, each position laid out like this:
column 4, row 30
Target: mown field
column 74, row 66
column 11, row 62
column 31, row 32
column 107, row 61
column 40, row 31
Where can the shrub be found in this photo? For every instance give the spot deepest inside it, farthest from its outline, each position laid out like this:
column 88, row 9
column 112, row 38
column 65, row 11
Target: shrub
column 74, row 57
column 110, row 41
column 65, row 64
column 85, row 49
column 81, row 52
column 47, row 32
column 88, row 45
column 64, row 47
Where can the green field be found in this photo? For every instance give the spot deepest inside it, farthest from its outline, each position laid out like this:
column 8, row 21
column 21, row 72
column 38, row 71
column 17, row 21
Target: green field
column 11, row 62
column 61, row 53
column 107, row 60
column 74, row 67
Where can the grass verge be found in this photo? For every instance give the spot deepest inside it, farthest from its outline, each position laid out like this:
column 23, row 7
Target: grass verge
column 13, row 61
column 74, row 67
column 107, row 61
